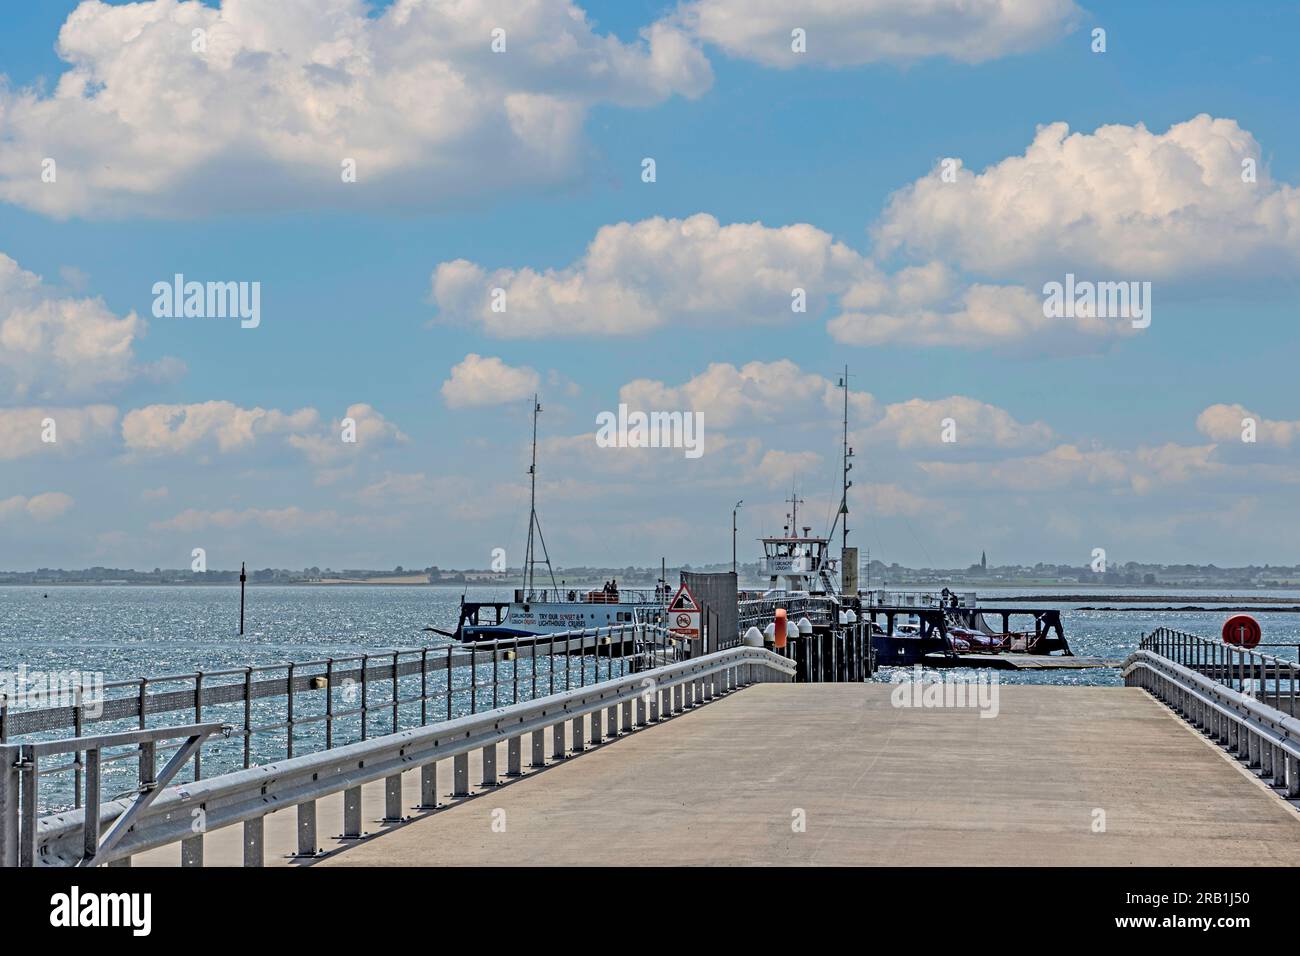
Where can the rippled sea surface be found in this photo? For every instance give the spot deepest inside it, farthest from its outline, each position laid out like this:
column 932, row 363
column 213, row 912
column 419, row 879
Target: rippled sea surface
column 129, row 632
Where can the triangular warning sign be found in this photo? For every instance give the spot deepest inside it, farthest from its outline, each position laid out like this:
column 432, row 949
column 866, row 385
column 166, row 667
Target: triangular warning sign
column 684, row 600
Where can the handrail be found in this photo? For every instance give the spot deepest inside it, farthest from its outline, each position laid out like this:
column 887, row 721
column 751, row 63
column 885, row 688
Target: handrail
column 20, row 772
column 1262, row 735
column 501, row 670
column 246, row 796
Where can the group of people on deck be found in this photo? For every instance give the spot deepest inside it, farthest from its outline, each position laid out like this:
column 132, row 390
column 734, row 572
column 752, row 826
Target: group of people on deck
column 611, row 590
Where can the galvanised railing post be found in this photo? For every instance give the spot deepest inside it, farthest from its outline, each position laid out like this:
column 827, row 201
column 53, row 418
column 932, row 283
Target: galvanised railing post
column 396, row 695
column 198, row 719
column 393, row 798
column 10, row 787
column 31, row 776
column 288, row 713
column 577, row 731
column 352, row 802
column 1291, row 675
column 424, row 686
column 192, row 851
column 460, row 775
column 514, row 757
column 148, row 764
column 254, row 842
column 365, row 697
column 450, row 688
column 557, row 740
column 248, row 717
column 307, row 844
column 429, row 786
column 473, row 680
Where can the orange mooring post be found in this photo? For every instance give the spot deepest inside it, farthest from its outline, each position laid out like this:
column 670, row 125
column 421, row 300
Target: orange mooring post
column 1242, row 630
column 778, row 628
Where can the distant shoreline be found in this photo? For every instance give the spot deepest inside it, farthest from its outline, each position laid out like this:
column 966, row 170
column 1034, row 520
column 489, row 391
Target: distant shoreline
column 1136, row 598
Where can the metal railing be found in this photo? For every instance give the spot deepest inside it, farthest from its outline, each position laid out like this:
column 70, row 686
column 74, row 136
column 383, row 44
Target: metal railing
column 1213, row 686
column 247, row 796
column 1269, row 679
column 655, row 597
column 758, row 612
column 317, row 704
column 895, row 597
column 20, row 777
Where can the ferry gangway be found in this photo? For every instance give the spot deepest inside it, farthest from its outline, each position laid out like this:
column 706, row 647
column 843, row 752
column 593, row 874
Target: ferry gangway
column 1242, row 700
column 247, row 796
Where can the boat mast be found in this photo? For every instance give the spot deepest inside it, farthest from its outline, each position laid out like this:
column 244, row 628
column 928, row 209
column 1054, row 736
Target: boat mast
column 848, row 465
column 533, row 523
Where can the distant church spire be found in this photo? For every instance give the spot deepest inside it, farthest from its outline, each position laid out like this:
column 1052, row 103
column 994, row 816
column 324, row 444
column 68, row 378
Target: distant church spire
column 984, row 561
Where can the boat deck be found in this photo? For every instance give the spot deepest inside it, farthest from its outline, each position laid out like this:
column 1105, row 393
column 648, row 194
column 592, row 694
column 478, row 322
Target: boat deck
column 1021, row 662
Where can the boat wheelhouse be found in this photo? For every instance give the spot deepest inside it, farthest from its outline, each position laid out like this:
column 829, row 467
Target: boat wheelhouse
column 800, row 563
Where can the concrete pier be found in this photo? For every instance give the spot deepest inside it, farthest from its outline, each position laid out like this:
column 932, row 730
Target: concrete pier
column 835, row 774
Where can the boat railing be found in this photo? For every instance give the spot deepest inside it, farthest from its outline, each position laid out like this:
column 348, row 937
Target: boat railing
column 657, row 596
column 890, row 597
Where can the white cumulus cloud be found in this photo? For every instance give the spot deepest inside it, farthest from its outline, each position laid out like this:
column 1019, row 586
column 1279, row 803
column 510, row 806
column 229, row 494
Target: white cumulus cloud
column 265, row 104
column 1122, row 199
column 56, row 347
column 22, row 430
column 42, row 507
column 1227, row 423
column 918, row 423
column 215, row 425
column 843, row 33
column 486, row 380
column 636, row 277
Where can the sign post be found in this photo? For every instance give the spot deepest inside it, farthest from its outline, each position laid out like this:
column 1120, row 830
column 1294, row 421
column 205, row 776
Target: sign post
column 684, row 614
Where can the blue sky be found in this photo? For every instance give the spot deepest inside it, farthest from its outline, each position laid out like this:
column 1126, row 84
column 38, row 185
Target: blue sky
column 350, row 315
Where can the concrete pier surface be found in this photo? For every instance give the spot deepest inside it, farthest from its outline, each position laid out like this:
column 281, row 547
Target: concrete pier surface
column 877, row 785
column 873, row 784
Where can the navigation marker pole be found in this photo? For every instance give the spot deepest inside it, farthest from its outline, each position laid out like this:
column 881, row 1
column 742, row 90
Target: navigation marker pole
column 242, row 578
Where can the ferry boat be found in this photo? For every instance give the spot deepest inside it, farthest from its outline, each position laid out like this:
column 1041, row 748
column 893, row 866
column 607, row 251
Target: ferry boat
column 906, row 627
column 555, row 608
